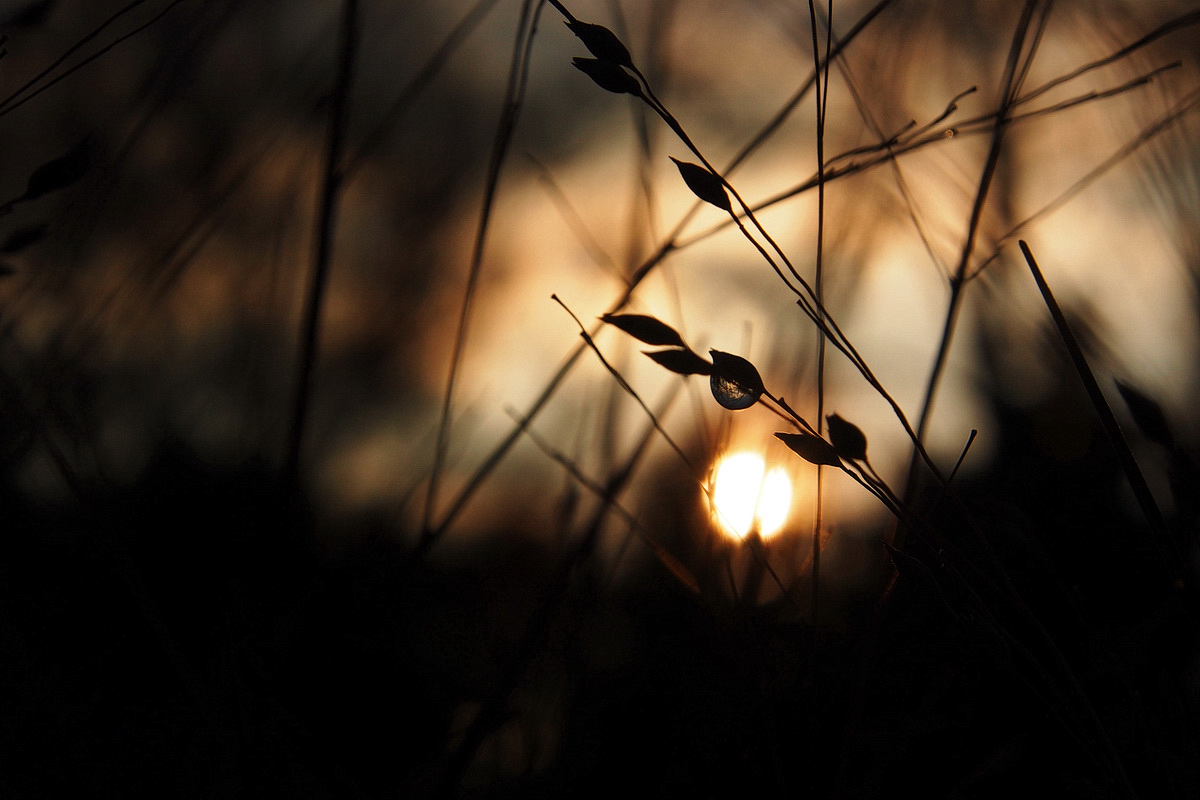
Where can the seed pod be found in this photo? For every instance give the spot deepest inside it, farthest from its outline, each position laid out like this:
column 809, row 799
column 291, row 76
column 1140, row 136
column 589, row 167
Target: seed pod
column 850, row 442
column 601, row 42
column 682, row 361
column 645, row 329
column 608, row 75
column 812, row 449
column 704, row 184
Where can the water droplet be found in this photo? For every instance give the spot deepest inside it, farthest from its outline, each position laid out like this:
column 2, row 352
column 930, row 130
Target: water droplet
column 731, row 394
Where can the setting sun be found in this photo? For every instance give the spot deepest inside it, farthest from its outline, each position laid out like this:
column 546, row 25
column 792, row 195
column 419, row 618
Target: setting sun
column 746, row 495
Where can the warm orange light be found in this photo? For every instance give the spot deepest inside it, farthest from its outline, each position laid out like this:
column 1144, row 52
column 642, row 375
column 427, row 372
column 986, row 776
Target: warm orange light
column 747, row 496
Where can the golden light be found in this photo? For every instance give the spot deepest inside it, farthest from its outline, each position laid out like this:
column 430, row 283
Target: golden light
column 746, row 495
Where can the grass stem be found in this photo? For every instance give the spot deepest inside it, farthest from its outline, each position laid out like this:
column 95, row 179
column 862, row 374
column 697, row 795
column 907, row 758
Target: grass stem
column 1112, row 430
column 958, row 280
column 323, row 251
column 518, row 73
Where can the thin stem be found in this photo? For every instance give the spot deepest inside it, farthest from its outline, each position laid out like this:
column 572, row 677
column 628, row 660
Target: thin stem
column 403, row 102
column 624, row 384
column 607, row 493
column 1178, row 23
column 8, row 103
column 518, row 74
column 958, row 280
column 1187, row 104
column 815, row 309
column 822, row 98
column 670, row 245
column 491, row 713
column 323, row 250
column 15, row 104
column 1112, row 430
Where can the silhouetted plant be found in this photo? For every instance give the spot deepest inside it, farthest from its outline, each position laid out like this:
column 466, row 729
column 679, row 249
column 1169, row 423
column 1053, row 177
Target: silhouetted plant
column 201, row 621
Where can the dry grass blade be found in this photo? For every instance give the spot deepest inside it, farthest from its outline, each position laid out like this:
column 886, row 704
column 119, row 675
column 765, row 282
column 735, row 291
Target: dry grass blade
column 1112, row 429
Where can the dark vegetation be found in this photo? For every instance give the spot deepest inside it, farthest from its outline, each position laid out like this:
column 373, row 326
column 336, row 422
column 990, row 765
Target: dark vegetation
column 185, row 611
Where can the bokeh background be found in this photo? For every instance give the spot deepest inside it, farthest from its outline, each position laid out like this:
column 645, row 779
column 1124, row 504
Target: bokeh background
column 170, row 280
column 150, row 329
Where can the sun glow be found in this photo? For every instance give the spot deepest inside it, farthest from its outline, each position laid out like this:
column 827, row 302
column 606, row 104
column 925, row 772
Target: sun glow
column 746, row 495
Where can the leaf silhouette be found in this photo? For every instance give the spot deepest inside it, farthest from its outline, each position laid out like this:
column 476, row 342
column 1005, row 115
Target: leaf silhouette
column 24, row 237
column 608, row 75
column 645, row 329
column 6, row 270
column 601, row 42
column 735, row 382
column 683, row 362
column 61, row 172
column 850, row 442
column 811, row 448
column 1148, row 415
column 704, row 184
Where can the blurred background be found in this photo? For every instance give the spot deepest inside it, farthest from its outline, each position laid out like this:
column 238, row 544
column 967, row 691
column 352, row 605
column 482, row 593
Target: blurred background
column 151, row 310
column 163, row 301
